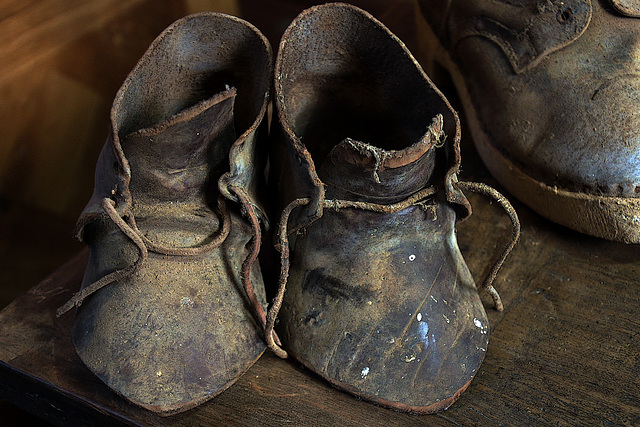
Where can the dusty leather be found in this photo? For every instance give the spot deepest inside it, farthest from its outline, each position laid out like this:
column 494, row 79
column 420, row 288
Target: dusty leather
column 380, row 304
column 555, row 85
column 627, row 7
column 186, row 121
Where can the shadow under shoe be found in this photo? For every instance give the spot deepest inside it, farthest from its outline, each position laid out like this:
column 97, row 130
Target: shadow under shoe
column 171, row 306
column 375, row 295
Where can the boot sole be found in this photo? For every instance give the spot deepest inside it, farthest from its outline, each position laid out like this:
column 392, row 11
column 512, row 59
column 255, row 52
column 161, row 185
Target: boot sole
column 608, row 217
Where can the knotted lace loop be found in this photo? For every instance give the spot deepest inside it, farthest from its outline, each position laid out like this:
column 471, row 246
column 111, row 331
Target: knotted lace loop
column 190, row 251
column 487, row 284
column 144, row 245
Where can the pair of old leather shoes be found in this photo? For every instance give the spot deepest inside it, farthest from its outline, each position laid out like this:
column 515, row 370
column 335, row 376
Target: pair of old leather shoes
column 364, row 154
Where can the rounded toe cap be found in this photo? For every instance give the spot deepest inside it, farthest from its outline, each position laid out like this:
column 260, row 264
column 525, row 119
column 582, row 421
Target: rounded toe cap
column 170, row 344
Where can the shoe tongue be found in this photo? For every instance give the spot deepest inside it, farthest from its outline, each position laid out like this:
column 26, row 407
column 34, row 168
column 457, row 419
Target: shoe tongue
column 356, row 170
column 173, row 160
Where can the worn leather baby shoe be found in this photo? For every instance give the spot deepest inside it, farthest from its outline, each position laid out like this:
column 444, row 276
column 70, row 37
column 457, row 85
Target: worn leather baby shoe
column 551, row 92
column 374, row 294
column 170, row 312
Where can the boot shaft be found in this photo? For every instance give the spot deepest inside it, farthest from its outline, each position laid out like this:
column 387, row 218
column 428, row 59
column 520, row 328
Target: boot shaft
column 358, row 116
column 188, row 119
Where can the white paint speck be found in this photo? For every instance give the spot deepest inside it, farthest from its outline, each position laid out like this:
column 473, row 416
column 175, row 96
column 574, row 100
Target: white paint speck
column 419, row 317
column 479, row 325
column 433, row 298
column 186, row 302
column 365, row 372
column 446, row 318
column 159, row 373
column 412, row 257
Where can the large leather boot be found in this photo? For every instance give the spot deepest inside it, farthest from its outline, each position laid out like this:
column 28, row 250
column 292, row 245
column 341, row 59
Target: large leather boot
column 171, row 307
column 551, row 92
column 374, row 294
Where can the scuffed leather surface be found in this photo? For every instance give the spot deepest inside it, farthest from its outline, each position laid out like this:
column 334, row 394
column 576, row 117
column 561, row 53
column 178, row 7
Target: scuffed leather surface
column 398, row 318
column 178, row 331
column 381, row 305
column 627, row 7
column 568, row 120
column 174, row 161
column 526, row 31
